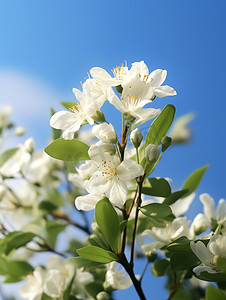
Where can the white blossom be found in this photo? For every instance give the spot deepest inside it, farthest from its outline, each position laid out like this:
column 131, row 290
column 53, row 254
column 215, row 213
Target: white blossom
column 116, row 279
column 105, row 133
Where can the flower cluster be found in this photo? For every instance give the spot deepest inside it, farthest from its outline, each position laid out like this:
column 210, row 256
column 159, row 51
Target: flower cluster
column 44, row 197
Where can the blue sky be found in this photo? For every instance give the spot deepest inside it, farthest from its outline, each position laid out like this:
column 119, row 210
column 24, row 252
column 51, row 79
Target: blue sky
column 47, row 48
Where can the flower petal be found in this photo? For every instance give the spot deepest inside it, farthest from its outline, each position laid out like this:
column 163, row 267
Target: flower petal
column 163, row 91
column 157, row 77
column 118, row 193
column 87, row 202
column 129, row 169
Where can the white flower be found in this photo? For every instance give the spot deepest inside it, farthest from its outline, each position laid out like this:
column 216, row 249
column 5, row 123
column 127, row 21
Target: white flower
column 136, row 137
column 216, row 246
column 82, row 278
column 200, row 224
column 105, row 133
column 209, row 209
column 5, row 112
column 81, row 113
column 16, row 163
column 33, row 288
column 133, row 106
column 115, row 279
column 110, row 176
column 20, row 130
column 163, row 236
column 180, row 132
column 87, row 202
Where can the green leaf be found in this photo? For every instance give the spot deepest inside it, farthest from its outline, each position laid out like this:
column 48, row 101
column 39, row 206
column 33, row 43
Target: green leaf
column 53, row 228
column 17, row 270
column 85, row 263
column 179, row 263
column 47, row 206
column 182, row 244
column 16, row 239
column 6, row 155
column 212, row 277
column 193, row 181
column 156, row 210
column 174, row 197
column 123, row 225
column 108, row 221
column 214, row 293
column 97, row 254
column 159, row 267
column 68, row 150
column 160, row 126
column 221, row 263
column 68, row 104
column 156, row 186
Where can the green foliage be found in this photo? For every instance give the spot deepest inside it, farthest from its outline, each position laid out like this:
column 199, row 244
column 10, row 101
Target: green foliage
column 214, row 293
column 68, row 150
column 14, row 270
column 97, row 254
column 68, row 104
column 108, row 221
column 53, row 228
column 160, row 126
column 156, row 186
column 159, row 267
column 174, row 197
column 180, row 263
column 193, row 181
column 6, row 155
column 15, row 240
column 220, row 263
column 156, row 210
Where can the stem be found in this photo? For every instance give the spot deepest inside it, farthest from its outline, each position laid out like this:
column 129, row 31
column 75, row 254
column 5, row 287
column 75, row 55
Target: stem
column 65, row 217
column 131, row 205
column 129, row 269
column 145, row 268
column 140, row 182
column 137, row 153
column 123, row 239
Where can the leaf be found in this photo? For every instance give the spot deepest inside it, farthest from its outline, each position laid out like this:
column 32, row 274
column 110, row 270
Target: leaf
column 220, row 262
column 17, row 269
column 214, row 293
column 68, row 104
column 123, row 225
column 85, row 263
column 159, row 267
column 53, row 228
column 160, row 126
column 193, row 181
column 97, row 254
column 214, row 277
column 156, row 186
column 156, row 210
column 174, row 197
column 16, row 239
column 6, row 155
column 108, row 221
column 182, row 244
column 68, row 150
column 179, row 263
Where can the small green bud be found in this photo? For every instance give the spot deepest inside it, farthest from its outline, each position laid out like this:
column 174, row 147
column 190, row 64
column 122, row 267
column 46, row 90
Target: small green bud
column 119, row 89
column 129, row 119
column 166, row 142
column 103, row 296
column 151, row 256
column 99, row 116
column 136, row 137
column 151, row 153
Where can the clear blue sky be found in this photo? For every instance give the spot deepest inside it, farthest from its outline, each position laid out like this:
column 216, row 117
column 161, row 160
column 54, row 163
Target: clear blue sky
column 54, row 44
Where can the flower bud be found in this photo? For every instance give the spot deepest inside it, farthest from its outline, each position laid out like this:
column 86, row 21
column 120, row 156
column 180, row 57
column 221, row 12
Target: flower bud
column 166, row 141
column 136, row 137
column 151, row 153
column 19, row 131
column 99, row 116
column 151, row 256
column 200, row 224
column 103, row 296
column 105, row 132
column 29, row 145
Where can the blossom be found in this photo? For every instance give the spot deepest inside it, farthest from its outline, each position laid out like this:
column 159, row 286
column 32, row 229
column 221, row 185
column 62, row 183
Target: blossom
column 5, row 112
column 105, row 132
column 81, row 113
column 216, row 246
column 180, row 132
column 164, row 236
column 33, row 288
column 111, row 175
column 115, row 279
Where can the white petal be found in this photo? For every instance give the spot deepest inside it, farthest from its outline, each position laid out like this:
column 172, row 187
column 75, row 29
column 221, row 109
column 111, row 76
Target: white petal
column 87, row 202
column 102, row 75
column 63, row 119
column 208, row 204
column 146, row 113
column 158, row 77
column 129, row 169
column 182, row 205
column 198, row 270
column 221, row 210
column 202, row 252
column 163, row 91
column 151, row 246
column 114, row 100
column 118, row 193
